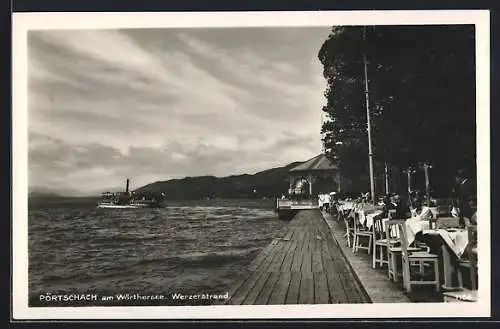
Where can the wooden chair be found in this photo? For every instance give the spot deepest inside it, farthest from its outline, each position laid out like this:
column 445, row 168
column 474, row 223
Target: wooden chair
column 365, row 234
column 349, row 231
column 471, row 262
column 393, row 250
column 420, row 259
column 393, row 246
column 463, row 294
column 340, row 212
column 380, row 243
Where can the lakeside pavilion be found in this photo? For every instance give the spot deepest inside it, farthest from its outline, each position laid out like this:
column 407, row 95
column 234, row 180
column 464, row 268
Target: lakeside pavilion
column 319, row 173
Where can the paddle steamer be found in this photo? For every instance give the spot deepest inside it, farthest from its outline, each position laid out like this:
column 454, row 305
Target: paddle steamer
column 130, row 200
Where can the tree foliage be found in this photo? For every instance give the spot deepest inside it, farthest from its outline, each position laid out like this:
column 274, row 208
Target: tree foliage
column 422, row 100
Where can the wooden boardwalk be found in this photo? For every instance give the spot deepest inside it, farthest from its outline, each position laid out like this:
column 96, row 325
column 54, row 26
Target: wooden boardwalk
column 302, row 265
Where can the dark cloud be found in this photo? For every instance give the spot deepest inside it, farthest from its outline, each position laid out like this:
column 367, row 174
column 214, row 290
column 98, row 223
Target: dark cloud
column 162, row 103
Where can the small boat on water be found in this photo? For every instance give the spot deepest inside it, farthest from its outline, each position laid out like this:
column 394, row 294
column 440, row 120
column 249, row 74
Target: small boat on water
column 130, row 200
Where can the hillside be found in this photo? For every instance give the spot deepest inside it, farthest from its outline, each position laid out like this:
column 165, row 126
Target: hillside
column 48, row 192
column 268, row 183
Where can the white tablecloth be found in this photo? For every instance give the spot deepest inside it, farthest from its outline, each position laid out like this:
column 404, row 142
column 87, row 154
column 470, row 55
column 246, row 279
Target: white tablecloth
column 413, row 226
column 367, row 220
column 346, row 206
column 426, row 212
column 456, row 239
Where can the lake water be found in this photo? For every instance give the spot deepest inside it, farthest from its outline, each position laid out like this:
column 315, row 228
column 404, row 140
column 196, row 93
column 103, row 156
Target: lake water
column 197, row 247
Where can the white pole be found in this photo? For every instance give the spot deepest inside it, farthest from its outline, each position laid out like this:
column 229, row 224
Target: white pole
column 386, row 179
column 370, row 153
column 427, row 184
column 409, row 181
column 310, row 185
column 408, row 173
column 338, row 181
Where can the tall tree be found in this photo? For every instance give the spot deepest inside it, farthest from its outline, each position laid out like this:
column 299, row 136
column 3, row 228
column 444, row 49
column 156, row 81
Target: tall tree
column 422, row 96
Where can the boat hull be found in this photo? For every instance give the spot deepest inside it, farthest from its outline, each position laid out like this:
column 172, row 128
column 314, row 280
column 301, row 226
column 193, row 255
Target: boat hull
column 116, row 206
column 147, row 205
column 127, row 206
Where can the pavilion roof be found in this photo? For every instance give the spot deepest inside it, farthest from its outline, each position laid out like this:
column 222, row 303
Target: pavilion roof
column 319, row 162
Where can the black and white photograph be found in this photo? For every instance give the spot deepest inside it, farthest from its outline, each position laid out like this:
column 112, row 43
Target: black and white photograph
column 235, row 165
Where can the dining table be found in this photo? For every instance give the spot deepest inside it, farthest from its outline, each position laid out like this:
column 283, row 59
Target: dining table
column 452, row 243
column 414, row 225
column 346, row 205
column 367, row 217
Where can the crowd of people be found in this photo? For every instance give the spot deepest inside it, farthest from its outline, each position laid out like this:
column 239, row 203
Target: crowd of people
column 328, row 201
column 462, row 202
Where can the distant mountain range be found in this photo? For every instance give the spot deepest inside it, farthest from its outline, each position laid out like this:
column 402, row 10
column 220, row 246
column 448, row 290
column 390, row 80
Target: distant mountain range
column 267, row 183
column 47, row 192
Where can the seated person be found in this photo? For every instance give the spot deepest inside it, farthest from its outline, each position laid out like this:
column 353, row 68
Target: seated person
column 419, row 199
column 401, row 207
column 473, row 220
column 465, row 190
column 473, row 206
column 387, row 205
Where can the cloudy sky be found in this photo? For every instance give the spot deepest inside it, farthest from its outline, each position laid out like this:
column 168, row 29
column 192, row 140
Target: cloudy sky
column 158, row 104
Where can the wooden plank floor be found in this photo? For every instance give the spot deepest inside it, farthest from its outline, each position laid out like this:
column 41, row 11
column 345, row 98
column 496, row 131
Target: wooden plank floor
column 303, row 265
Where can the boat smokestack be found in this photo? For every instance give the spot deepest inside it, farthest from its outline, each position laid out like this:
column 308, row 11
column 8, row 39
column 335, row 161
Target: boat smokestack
column 128, row 182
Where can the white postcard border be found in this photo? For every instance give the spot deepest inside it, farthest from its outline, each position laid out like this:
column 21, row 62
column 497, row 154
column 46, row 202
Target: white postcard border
column 23, row 22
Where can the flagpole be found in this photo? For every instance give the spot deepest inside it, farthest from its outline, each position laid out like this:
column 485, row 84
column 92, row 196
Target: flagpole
column 367, row 97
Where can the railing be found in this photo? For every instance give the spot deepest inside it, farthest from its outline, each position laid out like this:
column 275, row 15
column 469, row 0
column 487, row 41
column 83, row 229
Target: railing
column 284, row 203
column 296, row 204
